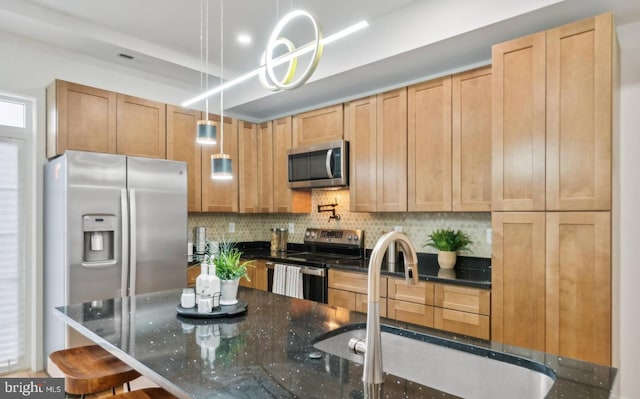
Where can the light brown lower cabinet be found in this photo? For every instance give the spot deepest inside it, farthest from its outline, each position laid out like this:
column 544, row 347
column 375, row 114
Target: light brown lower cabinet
column 462, row 310
column 551, row 283
column 257, row 272
column 410, row 312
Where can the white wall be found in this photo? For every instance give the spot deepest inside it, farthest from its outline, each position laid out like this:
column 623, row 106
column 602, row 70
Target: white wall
column 629, row 215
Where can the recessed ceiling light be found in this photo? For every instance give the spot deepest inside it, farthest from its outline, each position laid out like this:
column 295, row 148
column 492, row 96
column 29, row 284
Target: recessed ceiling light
column 244, row 39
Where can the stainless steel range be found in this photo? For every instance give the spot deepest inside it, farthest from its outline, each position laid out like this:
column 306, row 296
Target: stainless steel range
column 323, row 248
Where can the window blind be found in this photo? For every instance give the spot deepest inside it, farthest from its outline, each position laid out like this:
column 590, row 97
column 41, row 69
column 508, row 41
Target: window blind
column 13, row 225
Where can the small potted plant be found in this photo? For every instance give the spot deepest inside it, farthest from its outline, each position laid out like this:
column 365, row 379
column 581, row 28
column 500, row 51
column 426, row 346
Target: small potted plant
column 229, row 270
column 448, row 242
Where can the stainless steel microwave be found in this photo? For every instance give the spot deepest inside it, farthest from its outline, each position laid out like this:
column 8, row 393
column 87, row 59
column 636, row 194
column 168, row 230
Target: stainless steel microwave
column 319, row 166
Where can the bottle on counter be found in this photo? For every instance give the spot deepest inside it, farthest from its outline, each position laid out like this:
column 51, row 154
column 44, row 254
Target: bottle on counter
column 201, row 280
column 213, row 285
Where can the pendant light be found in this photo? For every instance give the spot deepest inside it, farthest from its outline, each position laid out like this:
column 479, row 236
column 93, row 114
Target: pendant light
column 221, row 167
column 206, row 128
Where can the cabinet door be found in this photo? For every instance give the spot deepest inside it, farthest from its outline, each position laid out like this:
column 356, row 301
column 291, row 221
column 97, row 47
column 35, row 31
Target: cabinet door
column 391, row 132
column 182, row 146
column 579, row 285
column 261, row 275
column 518, row 124
column 344, row 299
column 221, row 195
column 354, row 281
column 265, row 167
column 362, row 304
column 518, row 279
column 141, row 127
column 579, row 114
column 410, row 312
column 419, row 293
column 318, row 126
column 361, row 133
column 285, row 199
column 247, row 167
column 471, row 324
column 429, row 146
column 471, row 141
column 80, row 118
column 464, row 299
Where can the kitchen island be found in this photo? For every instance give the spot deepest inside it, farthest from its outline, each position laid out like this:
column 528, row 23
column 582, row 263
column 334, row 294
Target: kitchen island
column 268, row 351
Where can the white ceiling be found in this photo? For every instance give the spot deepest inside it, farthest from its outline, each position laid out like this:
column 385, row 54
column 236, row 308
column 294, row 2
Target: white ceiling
column 407, row 40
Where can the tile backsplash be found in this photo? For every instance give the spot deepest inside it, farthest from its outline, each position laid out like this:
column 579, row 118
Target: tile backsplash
column 256, row 227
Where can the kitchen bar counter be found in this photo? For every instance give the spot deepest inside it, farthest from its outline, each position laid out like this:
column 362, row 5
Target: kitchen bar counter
column 268, row 352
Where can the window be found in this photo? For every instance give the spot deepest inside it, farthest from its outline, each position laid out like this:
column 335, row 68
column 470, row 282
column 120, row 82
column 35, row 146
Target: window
column 15, row 182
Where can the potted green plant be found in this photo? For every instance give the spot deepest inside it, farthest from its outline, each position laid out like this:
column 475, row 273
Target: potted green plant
column 229, row 270
column 448, row 242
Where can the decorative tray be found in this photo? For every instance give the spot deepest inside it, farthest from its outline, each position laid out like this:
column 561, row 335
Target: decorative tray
column 222, row 311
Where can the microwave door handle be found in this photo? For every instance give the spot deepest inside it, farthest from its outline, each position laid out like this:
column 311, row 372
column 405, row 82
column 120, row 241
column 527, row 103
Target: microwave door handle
column 328, row 163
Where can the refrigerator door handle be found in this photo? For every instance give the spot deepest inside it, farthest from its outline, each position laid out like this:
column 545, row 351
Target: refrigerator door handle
column 124, row 206
column 132, row 249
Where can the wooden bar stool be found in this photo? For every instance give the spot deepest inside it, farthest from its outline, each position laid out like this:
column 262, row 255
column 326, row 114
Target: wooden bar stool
column 147, row 393
column 90, row 369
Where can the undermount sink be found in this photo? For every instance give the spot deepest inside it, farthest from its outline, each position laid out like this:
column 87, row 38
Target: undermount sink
column 449, row 366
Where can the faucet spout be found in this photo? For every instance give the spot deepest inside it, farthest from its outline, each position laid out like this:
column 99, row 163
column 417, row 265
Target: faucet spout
column 373, row 372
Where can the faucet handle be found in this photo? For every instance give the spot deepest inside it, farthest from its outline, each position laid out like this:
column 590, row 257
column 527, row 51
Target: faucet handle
column 411, row 274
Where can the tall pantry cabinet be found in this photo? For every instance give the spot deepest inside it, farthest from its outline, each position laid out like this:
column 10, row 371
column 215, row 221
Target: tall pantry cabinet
column 553, row 108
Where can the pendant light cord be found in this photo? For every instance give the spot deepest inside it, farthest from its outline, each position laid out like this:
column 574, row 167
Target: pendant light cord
column 207, row 55
column 221, row 73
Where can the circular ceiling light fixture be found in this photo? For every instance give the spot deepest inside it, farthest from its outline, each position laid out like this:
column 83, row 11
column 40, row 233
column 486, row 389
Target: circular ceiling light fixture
column 275, row 40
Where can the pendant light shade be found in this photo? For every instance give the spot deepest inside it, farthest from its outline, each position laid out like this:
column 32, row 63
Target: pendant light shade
column 221, row 167
column 206, row 132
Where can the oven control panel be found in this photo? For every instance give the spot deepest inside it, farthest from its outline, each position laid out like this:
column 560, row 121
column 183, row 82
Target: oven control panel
column 338, row 237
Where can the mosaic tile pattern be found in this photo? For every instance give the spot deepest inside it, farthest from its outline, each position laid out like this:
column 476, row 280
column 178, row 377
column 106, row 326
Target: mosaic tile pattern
column 256, row 227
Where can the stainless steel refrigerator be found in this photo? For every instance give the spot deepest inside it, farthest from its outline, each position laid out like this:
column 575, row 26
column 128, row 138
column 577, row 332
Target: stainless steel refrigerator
column 114, row 226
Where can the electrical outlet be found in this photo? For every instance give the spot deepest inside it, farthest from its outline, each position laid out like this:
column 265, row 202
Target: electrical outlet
column 291, row 229
column 489, row 236
column 398, row 228
column 232, row 227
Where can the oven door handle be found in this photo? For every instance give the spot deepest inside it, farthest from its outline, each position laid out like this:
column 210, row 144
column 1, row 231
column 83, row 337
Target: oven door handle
column 312, row 271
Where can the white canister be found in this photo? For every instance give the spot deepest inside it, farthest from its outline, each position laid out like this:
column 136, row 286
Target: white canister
column 188, row 298
column 205, row 303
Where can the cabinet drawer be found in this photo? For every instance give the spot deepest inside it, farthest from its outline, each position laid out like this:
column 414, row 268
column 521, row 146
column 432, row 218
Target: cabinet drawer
column 471, row 324
column 344, row 299
column 421, row 293
column 362, row 301
column 353, row 281
column 465, row 299
column 410, row 312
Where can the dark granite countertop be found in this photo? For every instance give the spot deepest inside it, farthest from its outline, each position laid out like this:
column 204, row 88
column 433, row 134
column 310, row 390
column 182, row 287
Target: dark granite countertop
column 469, row 271
column 265, row 353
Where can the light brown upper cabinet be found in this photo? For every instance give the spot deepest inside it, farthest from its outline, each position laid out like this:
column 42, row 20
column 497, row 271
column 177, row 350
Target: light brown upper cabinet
column 221, row 195
column 84, row 118
column 580, row 74
column 376, row 128
column 429, row 146
column 248, row 167
column 553, row 115
column 141, row 127
column 265, row 167
column 80, row 118
column 285, row 200
column 578, row 276
column 318, row 126
column 182, row 146
column 471, row 141
column 518, row 107
column 391, row 132
column 360, row 130
column 518, row 279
